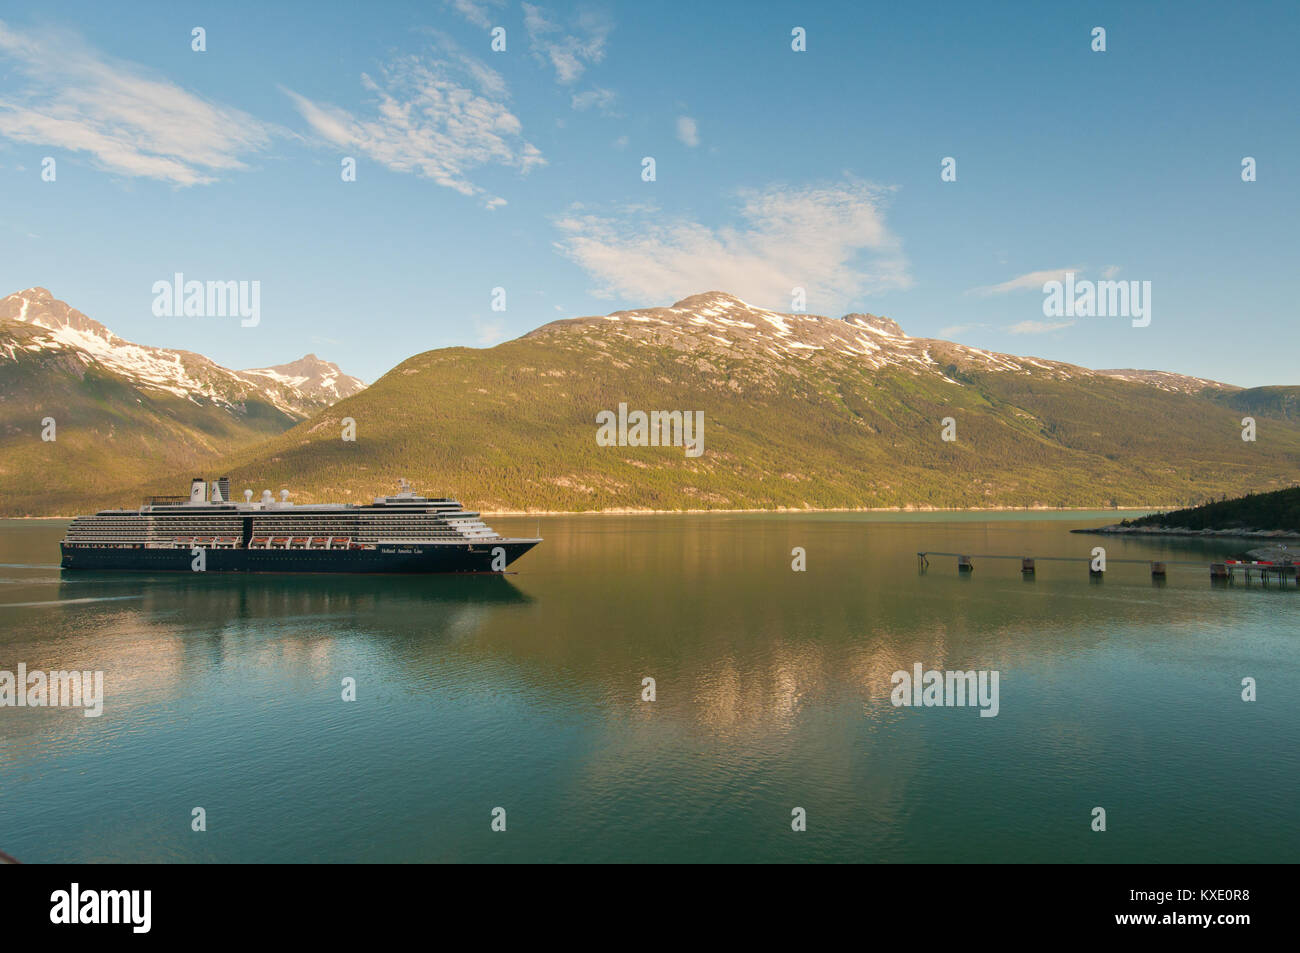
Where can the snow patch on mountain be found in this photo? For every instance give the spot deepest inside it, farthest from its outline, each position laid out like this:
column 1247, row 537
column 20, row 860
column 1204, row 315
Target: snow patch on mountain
column 298, row 389
column 713, row 319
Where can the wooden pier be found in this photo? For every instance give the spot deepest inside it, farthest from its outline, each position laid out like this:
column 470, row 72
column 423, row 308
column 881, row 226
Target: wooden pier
column 1226, row 571
column 1265, row 569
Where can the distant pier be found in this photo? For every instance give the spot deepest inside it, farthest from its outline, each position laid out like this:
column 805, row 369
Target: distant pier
column 1226, row 571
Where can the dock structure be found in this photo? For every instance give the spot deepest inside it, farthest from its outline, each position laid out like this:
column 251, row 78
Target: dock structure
column 1223, row 572
column 1265, row 568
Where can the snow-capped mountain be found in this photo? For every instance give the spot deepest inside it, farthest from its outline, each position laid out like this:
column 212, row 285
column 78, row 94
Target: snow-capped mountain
column 1165, row 380
column 309, row 376
column 716, row 320
column 796, row 410
column 35, row 322
column 800, row 410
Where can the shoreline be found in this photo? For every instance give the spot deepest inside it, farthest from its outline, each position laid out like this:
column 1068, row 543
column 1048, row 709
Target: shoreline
column 782, row 510
column 834, row 509
column 1184, row 532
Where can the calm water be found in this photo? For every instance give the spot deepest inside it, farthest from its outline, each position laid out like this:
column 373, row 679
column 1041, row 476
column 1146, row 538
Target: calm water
column 773, row 688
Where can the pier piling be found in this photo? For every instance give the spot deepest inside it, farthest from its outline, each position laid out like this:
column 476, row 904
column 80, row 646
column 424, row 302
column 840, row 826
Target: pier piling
column 1220, row 573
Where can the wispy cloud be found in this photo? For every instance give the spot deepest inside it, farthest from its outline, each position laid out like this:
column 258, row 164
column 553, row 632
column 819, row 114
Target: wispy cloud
column 955, row 330
column 131, row 122
column 1039, row 327
column 439, row 117
column 832, row 241
column 597, row 97
column 688, row 131
column 477, row 12
column 1034, row 280
column 570, row 50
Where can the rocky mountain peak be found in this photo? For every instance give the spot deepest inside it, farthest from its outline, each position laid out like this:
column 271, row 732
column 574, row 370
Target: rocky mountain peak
column 710, row 299
column 36, row 306
column 312, row 376
column 715, row 320
column 876, row 323
column 298, row 389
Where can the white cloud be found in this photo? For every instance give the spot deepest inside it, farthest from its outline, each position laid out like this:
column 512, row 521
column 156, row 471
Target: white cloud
column 568, row 52
column 131, row 122
column 602, row 99
column 688, row 131
column 1039, row 327
column 831, row 240
column 954, row 330
column 1110, row 271
column 476, row 12
column 439, row 118
column 1034, row 279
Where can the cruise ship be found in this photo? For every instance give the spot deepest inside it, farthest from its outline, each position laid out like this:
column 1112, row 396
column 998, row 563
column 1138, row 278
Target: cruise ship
column 209, row 532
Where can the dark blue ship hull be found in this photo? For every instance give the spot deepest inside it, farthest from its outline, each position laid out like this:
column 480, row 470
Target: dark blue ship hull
column 480, row 557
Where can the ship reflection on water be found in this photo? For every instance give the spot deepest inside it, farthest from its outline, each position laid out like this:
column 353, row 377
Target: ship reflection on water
column 275, row 594
column 204, row 613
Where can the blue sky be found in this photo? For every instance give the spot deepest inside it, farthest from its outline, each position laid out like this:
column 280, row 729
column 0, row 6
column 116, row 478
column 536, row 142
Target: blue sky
column 522, row 169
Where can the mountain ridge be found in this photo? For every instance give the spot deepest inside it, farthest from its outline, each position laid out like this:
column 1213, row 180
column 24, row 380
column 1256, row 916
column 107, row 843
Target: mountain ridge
column 802, row 411
column 176, row 370
column 884, row 341
column 85, row 414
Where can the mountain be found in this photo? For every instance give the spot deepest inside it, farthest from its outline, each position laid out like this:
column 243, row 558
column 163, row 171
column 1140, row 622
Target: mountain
column 312, row 382
column 124, row 411
column 1274, row 401
column 297, row 390
column 800, row 410
column 1179, row 383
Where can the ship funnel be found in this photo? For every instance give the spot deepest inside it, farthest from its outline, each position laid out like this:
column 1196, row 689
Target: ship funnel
column 216, row 493
column 224, row 485
column 198, row 490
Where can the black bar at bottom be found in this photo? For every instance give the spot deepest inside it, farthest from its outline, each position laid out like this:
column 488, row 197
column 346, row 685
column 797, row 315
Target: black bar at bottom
column 338, row 902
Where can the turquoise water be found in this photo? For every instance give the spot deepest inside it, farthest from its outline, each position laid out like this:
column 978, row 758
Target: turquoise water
column 773, row 692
